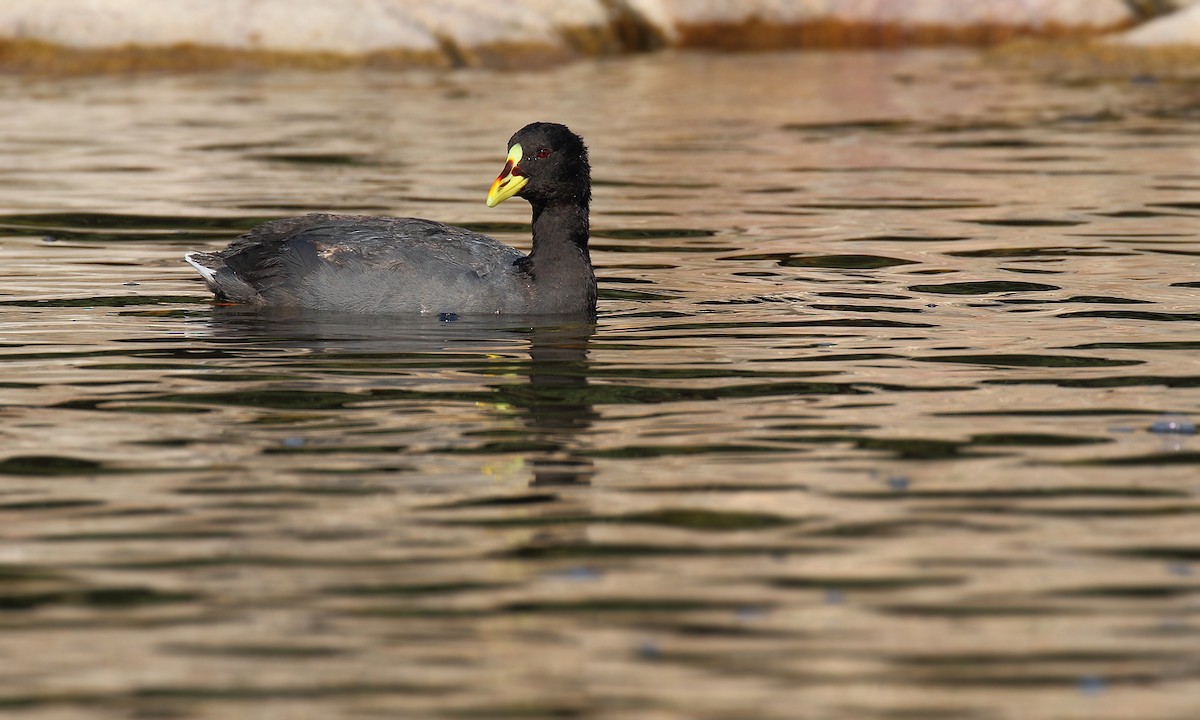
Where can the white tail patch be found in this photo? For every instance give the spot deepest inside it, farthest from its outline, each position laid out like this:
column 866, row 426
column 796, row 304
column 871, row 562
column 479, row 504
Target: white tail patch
column 209, row 275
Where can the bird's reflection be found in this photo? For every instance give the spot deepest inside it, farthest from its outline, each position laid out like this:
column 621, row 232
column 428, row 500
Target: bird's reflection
column 552, row 403
column 556, row 409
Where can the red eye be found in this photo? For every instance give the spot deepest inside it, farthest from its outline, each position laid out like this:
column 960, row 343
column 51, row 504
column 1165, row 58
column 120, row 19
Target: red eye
column 543, row 154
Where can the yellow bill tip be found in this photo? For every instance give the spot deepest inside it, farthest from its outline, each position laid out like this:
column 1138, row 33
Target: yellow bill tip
column 507, row 184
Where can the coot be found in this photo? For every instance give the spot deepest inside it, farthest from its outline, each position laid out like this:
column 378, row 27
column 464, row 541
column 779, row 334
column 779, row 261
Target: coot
column 363, row 264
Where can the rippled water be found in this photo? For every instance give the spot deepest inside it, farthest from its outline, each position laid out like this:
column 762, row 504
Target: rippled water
column 888, row 412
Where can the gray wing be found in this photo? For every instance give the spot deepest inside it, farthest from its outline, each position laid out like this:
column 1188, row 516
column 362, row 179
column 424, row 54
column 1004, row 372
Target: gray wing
column 368, row 264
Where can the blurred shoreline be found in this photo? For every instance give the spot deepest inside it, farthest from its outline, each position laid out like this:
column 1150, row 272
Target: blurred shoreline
column 72, row 37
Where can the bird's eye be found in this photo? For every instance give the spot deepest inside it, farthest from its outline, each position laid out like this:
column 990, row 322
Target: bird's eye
column 543, row 153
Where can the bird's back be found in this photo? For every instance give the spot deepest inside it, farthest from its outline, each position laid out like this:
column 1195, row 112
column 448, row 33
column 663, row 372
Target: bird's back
column 355, row 263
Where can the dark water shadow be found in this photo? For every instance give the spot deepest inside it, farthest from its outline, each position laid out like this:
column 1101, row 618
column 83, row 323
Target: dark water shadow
column 550, row 364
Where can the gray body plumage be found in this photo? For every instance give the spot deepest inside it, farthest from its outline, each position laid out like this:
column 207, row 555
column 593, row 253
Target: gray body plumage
column 350, row 263
column 404, row 266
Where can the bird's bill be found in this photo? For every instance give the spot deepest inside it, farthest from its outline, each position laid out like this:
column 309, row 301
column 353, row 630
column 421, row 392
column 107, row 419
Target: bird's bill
column 510, row 181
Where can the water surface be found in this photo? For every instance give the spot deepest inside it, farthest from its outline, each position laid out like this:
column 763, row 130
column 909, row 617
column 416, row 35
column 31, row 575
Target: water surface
column 888, row 413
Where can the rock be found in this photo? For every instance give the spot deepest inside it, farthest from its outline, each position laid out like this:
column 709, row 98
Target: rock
column 1156, row 8
column 1083, row 14
column 1180, row 28
column 135, row 34
column 885, row 22
column 454, row 28
column 348, row 26
column 466, row 27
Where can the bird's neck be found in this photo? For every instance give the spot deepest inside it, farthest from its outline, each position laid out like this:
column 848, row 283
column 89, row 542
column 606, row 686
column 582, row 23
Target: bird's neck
column 560, row 250
column 560, row 225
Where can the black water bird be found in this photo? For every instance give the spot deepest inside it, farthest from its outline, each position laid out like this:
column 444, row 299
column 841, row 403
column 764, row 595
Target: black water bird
column 363, row 264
